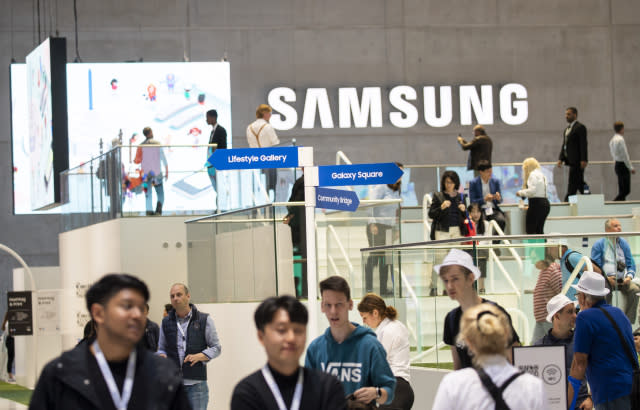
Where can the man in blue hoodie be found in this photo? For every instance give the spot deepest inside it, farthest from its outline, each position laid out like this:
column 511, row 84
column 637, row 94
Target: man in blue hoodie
column 349, row 351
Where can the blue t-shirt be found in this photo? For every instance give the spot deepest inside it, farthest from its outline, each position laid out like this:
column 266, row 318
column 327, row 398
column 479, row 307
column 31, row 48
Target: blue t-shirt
column 609, row 370
column 359, row 361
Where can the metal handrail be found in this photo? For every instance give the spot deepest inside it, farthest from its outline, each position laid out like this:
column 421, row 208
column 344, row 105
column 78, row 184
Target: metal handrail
column 583, row 261
column 334, row 234
column 502, row 164
column 341, row 156
column 430, row 244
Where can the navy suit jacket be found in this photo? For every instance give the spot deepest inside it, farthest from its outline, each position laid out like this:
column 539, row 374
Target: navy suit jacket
column 475, row 191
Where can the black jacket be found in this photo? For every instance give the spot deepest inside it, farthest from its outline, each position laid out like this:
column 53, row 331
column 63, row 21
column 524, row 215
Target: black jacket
column 480, row 149
column 441, row 217
column 219, row 137
column 576, row 146
column 66, row 384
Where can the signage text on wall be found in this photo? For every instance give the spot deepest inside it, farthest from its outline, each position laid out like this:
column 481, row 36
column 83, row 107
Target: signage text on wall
column 362, row 109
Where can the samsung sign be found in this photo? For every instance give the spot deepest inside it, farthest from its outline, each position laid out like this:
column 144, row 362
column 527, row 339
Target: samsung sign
column 365, row 110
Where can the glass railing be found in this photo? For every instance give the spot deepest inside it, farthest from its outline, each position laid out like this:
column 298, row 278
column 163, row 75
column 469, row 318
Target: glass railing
column 116, row 184
column 511, row 270
column 422, row 179
column 250, row 254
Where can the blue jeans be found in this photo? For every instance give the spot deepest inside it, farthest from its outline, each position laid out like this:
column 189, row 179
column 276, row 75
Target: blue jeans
column 621, row 403
column 148, row 195
column 198, row 395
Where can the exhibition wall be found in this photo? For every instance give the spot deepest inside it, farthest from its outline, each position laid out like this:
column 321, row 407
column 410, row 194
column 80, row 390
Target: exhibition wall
column 563, row 52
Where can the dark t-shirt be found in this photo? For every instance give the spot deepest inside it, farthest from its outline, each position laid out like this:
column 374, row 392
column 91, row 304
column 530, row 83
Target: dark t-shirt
column 454, row 215
column 320, row 391
column 452, row 328
column 119, row 371
column 141, row 391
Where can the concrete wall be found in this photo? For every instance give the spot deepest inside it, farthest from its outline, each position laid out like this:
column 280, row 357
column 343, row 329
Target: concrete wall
column 566, row 52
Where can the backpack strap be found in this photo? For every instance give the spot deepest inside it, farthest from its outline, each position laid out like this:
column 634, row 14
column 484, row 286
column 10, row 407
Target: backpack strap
column 627, row 349
column 570, row 267
column 495, row 391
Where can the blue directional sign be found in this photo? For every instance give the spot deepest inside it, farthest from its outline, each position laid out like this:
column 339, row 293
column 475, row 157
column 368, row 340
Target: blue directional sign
column 337, row 199
column 359, row 174
column 254, row 158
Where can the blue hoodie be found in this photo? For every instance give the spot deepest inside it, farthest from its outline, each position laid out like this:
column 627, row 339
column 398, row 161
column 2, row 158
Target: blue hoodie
column 359, row 361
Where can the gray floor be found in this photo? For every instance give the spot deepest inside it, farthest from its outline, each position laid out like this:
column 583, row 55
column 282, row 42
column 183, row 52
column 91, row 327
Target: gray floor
column 10, row 405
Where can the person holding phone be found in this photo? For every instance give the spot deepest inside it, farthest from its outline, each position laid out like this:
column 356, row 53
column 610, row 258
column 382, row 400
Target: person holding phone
column 480, row 148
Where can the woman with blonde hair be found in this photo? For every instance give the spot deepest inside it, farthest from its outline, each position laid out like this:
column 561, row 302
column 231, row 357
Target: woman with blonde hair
column 394, row 337
column 493, row 382
column 534, row 188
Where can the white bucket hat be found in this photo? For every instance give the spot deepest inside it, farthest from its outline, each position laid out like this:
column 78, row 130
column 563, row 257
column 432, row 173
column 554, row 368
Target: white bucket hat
column 591, row 283
column 461, row 258
column 555, row 304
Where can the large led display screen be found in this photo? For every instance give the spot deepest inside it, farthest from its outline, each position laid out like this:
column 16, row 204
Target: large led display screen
column 47, row 121
column 108, row 101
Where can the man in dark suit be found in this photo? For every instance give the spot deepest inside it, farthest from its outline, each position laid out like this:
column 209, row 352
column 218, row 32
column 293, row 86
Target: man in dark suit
column 218, row 136
column 574, row 152
column 479, row 147
column 485, row 191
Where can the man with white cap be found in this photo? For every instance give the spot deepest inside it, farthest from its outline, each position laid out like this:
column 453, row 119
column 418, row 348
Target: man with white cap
column 458, row 273
column 561, row 313
column 603, row 344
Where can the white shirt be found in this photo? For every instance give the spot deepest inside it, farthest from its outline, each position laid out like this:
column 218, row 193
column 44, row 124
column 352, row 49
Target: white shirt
column 536, row 185
column 486, row 190
column 384, row 214
column 619, row 150
column 463, row 389
column 265, row 133
column 394, row 337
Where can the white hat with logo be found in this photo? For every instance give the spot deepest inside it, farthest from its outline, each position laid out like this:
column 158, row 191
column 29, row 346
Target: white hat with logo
column 460, row 258
column 591, row 283
column 555, row 304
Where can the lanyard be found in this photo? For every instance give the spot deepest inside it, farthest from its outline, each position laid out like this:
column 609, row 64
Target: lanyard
column 297, row 394
column 184, row 336
column 121, row 402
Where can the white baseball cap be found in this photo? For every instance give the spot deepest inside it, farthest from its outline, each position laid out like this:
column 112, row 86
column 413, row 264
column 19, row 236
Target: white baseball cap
column 555, row 304
column 460, row 258
column 591, row 283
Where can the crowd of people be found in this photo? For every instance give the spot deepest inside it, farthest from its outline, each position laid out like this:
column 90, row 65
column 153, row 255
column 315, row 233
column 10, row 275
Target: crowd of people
column 130, row 361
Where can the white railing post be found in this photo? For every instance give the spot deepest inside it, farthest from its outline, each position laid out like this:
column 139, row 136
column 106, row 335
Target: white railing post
column 583, row 261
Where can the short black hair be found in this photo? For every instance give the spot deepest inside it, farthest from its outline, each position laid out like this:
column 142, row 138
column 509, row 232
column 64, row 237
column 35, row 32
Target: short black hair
column 573, row 110
column 104, row 289
column 336, row 284
column 212, row 113
column 453, row 176
column 168, row 307
column 268, row 308
column 146, row 131
column 618, row 126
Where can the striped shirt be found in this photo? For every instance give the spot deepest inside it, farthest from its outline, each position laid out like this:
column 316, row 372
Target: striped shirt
column 548, row 285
